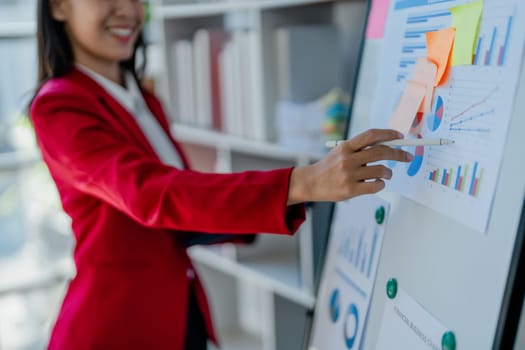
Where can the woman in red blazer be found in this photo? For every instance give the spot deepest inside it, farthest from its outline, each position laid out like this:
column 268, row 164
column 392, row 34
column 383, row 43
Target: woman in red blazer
column 134, row 214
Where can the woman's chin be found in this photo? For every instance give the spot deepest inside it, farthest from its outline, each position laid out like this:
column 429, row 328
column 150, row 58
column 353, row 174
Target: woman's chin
column 124, row 56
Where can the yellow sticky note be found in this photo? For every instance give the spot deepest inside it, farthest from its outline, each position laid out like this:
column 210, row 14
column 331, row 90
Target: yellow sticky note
column 407, row 107
column 465, row 18
column 425, row 73
column 439, row 48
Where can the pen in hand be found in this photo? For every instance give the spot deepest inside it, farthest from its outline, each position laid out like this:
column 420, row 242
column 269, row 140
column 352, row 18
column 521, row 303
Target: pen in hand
column 402, row 142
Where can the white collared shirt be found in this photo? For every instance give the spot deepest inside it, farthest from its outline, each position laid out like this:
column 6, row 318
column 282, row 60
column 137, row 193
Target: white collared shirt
column 133, row 101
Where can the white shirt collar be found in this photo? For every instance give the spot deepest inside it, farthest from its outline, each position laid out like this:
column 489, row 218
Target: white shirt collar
column 126, row 97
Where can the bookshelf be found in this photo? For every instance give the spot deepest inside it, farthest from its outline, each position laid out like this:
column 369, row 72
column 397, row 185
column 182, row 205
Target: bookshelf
column 261, row 294
column 219, row 140
column 186, row 10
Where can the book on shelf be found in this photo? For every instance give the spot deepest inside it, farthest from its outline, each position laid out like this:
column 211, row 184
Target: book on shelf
column 240, row 87
column 255, row 118
column 202, row 76
column 217, row 82
column 235, row 125
column 218, row 39
column 184, row 91
column 208, row 43
column 196, row 79
column 227, row 88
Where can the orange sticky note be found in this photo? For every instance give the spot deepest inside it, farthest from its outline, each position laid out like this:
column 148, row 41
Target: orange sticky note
column 439, row 48
column 425, row 73
column 407, row 107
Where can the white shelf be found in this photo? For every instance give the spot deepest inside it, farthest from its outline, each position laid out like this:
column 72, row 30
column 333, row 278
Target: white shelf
column 220, row 7
column 217, row 139
column 17, row 29
column 238, row 340
column 278, row 273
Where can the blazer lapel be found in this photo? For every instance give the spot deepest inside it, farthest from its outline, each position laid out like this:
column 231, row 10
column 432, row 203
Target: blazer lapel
column 124, row 119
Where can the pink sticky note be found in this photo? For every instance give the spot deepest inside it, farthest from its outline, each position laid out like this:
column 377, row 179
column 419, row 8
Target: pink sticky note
column 425, row 73
column 407, row 107
column 377, row 18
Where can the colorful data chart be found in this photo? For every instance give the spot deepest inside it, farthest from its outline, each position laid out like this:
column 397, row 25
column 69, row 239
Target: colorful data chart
column 435, row 119
column 474, row 118
column 493, row 42
column 475, row 181
column 457, row 178
column 414, row 167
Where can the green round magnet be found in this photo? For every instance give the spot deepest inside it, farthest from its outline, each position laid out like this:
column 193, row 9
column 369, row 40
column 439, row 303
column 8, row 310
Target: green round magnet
column 380, row 215
column 391, row 288
column 448, row 341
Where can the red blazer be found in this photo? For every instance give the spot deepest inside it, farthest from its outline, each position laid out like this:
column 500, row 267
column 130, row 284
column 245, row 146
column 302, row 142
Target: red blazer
column 130, row 213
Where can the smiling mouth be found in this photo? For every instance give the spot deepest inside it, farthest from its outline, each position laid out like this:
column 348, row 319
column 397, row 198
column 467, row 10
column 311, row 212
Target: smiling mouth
column 123, row 34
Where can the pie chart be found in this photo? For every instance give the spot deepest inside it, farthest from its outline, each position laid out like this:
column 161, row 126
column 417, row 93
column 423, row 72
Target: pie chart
column 351, row 326
column 434, row 120
column 334, row 306
column 414, row 167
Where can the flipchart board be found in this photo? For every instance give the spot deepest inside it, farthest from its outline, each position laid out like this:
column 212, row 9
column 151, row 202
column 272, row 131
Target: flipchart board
column 450, row 272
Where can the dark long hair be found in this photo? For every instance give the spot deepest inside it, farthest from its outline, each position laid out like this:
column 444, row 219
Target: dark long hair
column 55, row 55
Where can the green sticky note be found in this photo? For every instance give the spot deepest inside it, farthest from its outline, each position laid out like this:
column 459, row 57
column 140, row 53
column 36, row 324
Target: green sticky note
column 465, row 18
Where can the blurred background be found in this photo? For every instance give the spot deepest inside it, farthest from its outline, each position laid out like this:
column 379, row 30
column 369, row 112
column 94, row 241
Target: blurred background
column 35, row 244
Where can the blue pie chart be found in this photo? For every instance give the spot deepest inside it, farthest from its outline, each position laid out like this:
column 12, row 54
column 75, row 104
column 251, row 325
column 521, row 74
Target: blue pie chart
column 414, row 167
column 434, row 120
column 351, row 326
column 335, row 306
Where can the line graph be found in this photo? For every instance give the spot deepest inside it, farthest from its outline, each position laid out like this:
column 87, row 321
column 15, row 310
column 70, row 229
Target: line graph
column 473, row 117
column 474, row 105
column 484, row 130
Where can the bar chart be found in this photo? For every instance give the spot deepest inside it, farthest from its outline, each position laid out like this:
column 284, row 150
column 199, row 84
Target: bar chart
column 349, row 273
column 359, row 251
column 494, row 38
column 457, row 178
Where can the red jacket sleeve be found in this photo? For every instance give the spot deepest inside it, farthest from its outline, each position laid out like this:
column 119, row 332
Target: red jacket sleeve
column 83, row 150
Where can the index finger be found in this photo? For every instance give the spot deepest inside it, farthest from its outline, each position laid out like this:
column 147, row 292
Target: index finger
column 373, row 136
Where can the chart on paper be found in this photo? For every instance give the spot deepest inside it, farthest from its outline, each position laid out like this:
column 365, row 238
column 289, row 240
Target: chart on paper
column 473, row 107
column 349, row 274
